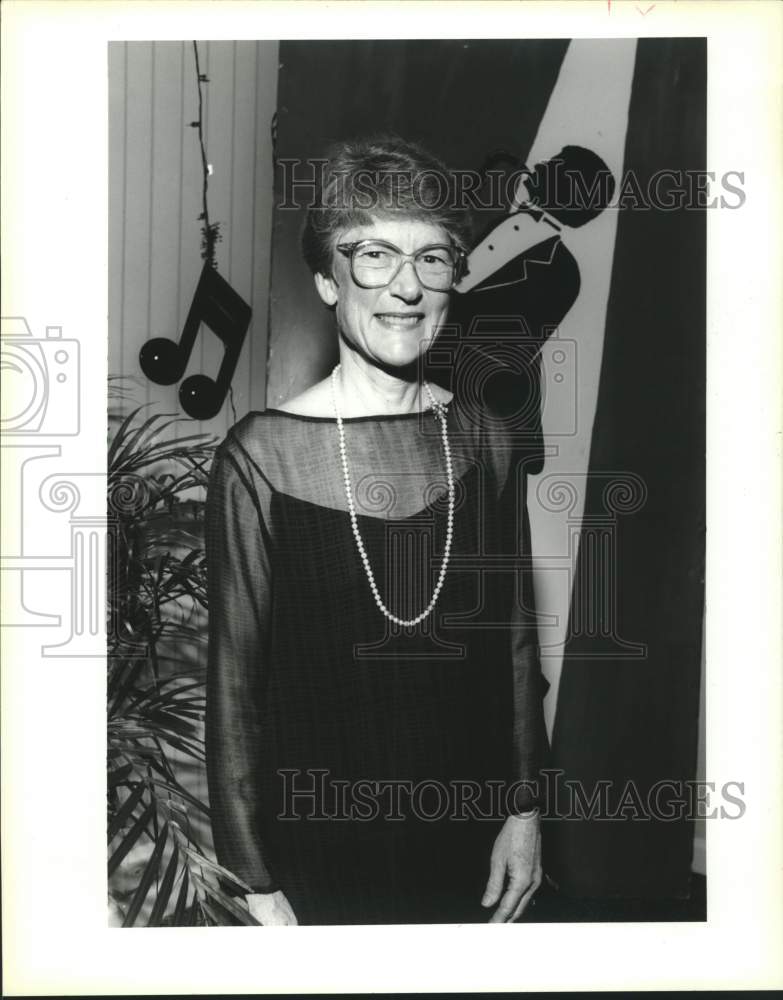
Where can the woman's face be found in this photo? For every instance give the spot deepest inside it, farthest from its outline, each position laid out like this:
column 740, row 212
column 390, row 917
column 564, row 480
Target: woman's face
column 393, row 325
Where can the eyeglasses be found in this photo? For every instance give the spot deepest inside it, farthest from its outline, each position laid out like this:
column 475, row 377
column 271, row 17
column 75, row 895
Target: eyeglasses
column 376, row 263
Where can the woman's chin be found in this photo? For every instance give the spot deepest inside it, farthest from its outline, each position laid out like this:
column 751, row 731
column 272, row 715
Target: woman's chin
column 403, row 361
column 401, row 353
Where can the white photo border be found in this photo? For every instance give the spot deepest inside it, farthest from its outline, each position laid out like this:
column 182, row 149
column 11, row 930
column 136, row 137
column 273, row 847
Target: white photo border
column 55, row 210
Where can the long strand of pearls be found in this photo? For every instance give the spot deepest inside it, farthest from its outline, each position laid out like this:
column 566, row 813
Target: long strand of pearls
column 439, row 410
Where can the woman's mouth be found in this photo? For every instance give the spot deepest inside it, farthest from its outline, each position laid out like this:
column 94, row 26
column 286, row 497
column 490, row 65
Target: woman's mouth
column 399, row 321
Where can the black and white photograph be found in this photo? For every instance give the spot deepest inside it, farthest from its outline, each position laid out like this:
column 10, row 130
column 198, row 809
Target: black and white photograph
column 415, row 334
column 419, row 569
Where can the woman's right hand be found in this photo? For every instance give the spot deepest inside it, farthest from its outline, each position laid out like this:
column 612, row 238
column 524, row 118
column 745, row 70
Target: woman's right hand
column 271, row 908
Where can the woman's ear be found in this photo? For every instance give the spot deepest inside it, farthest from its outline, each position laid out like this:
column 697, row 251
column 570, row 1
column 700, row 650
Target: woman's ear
column 327, row 289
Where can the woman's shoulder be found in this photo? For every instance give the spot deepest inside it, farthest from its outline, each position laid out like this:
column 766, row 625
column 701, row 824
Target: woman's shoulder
column 257, row 437
column 316, row 401
column 261, row 447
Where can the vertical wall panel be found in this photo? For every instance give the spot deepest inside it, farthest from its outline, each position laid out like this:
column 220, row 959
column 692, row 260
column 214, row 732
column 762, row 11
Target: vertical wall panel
column 166, row 112
column 155, row 193
column 240, row 258
column 215, row 61
column 190, row 261
column 138, row 183
column 117, row 101
column 267, row 63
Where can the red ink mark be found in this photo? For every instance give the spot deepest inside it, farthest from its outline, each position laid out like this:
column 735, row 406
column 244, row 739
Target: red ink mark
column 644, row 13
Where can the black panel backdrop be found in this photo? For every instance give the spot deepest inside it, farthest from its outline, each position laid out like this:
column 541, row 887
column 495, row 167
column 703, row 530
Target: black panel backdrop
column 636, row 719
column 464, row 100
column 461, row 99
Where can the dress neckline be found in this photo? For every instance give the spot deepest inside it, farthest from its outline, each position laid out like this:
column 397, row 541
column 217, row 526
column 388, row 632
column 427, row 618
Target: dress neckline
column 364, row 418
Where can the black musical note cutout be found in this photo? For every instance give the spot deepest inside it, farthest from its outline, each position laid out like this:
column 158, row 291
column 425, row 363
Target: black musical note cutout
column 164, row 361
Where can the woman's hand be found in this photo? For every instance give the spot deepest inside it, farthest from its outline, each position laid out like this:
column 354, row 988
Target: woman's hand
column 271, row 909
column 517, row 850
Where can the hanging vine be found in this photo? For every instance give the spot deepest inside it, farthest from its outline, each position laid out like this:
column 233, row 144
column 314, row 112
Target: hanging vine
column 210, row 231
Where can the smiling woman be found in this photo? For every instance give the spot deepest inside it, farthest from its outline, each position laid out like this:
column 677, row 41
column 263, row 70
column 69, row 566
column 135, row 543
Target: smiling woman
column 363, row 648
column 385, row 313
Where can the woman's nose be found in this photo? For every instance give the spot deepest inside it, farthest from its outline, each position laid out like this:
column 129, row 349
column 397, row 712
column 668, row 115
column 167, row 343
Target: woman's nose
column 406, row 283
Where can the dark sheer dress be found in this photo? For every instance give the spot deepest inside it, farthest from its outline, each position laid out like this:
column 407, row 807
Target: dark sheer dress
column 365, row 768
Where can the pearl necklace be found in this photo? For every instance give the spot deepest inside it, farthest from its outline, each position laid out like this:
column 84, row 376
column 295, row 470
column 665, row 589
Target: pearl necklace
column 439, row 410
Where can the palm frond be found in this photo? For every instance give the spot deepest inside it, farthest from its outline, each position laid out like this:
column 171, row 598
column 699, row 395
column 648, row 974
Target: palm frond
column 130, row 838
column 150, row 872
column 125, row 812
column 164, row 892
column 156, row 698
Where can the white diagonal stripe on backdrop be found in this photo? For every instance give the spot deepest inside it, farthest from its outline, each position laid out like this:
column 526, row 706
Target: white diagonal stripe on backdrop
column 588, row 107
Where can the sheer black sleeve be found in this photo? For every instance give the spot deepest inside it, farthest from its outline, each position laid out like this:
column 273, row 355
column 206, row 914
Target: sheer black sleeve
column 530, row 746
column 239, row 588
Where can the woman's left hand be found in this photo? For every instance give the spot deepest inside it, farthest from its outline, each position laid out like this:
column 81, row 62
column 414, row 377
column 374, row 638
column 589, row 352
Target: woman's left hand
column 517, row 851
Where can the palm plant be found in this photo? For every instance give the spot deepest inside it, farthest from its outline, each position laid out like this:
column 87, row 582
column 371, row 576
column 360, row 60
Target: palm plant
column 161, row 870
